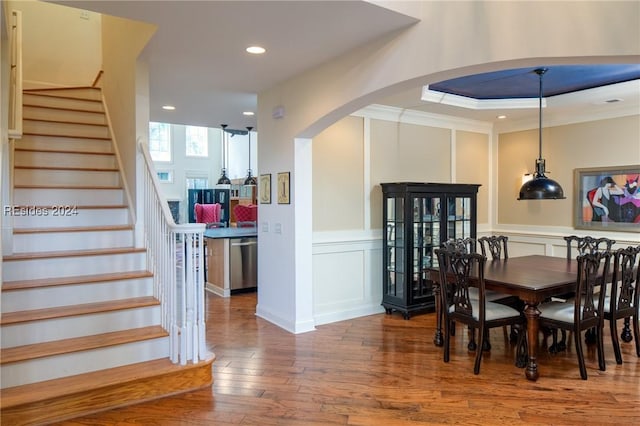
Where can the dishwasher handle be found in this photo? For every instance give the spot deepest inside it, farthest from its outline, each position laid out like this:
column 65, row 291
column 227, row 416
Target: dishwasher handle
column 248, row 243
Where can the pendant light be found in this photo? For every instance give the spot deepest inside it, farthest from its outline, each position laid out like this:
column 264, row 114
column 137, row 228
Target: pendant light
column 541, row 187
column 224, row 179
column 250, row 180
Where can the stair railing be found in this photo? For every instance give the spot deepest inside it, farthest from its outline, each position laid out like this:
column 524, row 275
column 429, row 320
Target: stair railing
column 15, row 77
column 175, row 255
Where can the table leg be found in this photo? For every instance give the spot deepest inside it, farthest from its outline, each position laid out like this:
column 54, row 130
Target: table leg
column 437, row 339
column 533, row 314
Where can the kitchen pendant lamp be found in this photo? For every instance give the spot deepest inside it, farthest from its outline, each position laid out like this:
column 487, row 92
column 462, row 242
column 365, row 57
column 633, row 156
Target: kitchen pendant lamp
column 541, row 187
column 250, row 180
column 224, row 179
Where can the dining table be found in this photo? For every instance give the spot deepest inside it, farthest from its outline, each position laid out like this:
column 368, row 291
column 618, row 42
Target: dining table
column 533, row 279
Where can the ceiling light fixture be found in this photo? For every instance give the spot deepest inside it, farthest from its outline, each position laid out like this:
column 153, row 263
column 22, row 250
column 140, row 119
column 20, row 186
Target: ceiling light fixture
column 250, row 180
column 256, row 50
column 541, row 187
column 224, row 179
column 248, row 113
column 168, row 107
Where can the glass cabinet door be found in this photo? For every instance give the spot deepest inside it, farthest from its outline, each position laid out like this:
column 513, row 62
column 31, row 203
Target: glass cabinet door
column 425, row 237
column 458, row 217
column 395, row 253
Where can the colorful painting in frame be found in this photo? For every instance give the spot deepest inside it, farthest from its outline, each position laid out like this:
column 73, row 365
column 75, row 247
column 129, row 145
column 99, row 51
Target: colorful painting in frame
column 607, row 198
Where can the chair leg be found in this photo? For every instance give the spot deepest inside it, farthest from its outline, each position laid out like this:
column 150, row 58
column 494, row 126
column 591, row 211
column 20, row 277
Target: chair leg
column 636, row 333
column 601, row 363
column 626, row 331
column 614, row 339
column 590, row 336
column 476, row 367
column 448, row 325
column 583, row 369
column 486, row 343
column 521, row 347
column 472, row 340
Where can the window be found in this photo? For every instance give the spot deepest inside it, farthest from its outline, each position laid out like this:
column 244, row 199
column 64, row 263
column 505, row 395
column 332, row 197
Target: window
column 160, row 141
column 197, row 182
column 196, row 141
column 165, row 176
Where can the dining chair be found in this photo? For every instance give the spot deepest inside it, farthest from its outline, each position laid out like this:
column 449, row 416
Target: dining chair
column 209, row 214
column 468, row 245
column 455, row 268
column 586, row 311
column 496, row 245
column 246, row 215
column 622, row 301
column 582, row 245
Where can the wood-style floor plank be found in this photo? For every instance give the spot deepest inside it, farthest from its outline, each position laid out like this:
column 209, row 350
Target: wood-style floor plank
column 383, row 370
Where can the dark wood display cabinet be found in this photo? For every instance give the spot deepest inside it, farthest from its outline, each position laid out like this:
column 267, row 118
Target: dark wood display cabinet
column 418, row 218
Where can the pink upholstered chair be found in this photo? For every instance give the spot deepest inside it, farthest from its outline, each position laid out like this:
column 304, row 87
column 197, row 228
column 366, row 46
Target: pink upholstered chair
column 209, row 214
column 246, row 215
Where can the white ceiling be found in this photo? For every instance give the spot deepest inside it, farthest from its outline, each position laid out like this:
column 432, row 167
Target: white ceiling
column 197, row 59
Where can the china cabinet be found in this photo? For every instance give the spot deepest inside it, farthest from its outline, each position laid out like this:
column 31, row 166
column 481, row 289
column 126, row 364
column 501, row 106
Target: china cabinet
column 418, row 218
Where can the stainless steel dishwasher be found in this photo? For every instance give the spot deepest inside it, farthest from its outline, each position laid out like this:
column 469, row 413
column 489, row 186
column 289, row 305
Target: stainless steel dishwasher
column 244, row 263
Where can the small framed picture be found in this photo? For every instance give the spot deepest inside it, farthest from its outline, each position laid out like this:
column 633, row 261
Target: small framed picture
column 283, row 188
column 265, row 189
column 607, row 198
column 165, row 176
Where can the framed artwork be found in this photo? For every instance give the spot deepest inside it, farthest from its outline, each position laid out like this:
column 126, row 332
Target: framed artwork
column 607, row 198
column 165, row 176
column 265, row 189
column 283, row 188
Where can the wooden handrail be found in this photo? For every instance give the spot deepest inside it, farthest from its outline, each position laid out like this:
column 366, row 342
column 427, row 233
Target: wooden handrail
column 15, row 89
column 98, row 77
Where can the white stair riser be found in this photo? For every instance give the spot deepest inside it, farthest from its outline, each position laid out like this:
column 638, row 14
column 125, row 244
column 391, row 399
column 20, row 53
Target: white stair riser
column 69, row 216
column 53, row 114
column 89, row 240
column 67, row 197
column 66, row 177
column 83, row 362
column 93, row 93
column 66, row 159
column 76, row 294
column 65, row 129
column 14, row 270
column 78, row 326
column 51, row 101
column 64, row 144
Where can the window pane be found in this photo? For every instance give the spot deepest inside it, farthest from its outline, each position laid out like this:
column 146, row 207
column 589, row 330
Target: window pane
column 196, row 141
column 197, row 183
column 160, row 141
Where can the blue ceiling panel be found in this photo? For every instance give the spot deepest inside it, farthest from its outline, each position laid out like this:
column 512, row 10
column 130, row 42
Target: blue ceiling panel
column 524, row 82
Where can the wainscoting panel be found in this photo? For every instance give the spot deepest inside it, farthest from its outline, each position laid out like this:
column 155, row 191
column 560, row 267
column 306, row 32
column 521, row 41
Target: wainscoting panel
column 347, row 281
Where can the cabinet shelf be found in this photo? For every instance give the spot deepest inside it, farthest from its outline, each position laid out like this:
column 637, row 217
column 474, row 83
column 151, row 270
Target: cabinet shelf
column 418, row 218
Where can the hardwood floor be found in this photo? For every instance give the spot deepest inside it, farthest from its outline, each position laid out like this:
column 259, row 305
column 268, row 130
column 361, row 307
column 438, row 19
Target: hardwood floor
column 382, row 369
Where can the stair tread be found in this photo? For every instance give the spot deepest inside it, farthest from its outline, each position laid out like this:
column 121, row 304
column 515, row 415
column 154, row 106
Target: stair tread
column 87, row 207
column 41, row 391
column 71, row 253
column 75, row 310
column 62, row 151
column 78, row 344
column 66, row 186
column 73, row 229
column 104, row 138
column 69, row 168
column 24, row 104
column 78, row 279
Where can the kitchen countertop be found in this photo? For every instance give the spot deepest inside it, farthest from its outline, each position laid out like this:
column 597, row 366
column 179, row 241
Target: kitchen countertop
column 230, row 232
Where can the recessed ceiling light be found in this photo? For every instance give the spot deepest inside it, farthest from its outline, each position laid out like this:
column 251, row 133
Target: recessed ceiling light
column 501, row 117
column 168, row 107
column 248, row 113
column 256, row 50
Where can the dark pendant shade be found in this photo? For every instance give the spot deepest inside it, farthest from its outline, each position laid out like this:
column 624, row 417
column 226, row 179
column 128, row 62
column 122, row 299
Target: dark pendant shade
column 541, row 187
column 224, row 180
column 250, row 180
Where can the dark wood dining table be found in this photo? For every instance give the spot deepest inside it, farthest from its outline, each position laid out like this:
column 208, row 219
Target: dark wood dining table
column 532, row 279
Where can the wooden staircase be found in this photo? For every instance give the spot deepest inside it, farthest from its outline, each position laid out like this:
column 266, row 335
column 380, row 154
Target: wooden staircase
column 80, row 327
